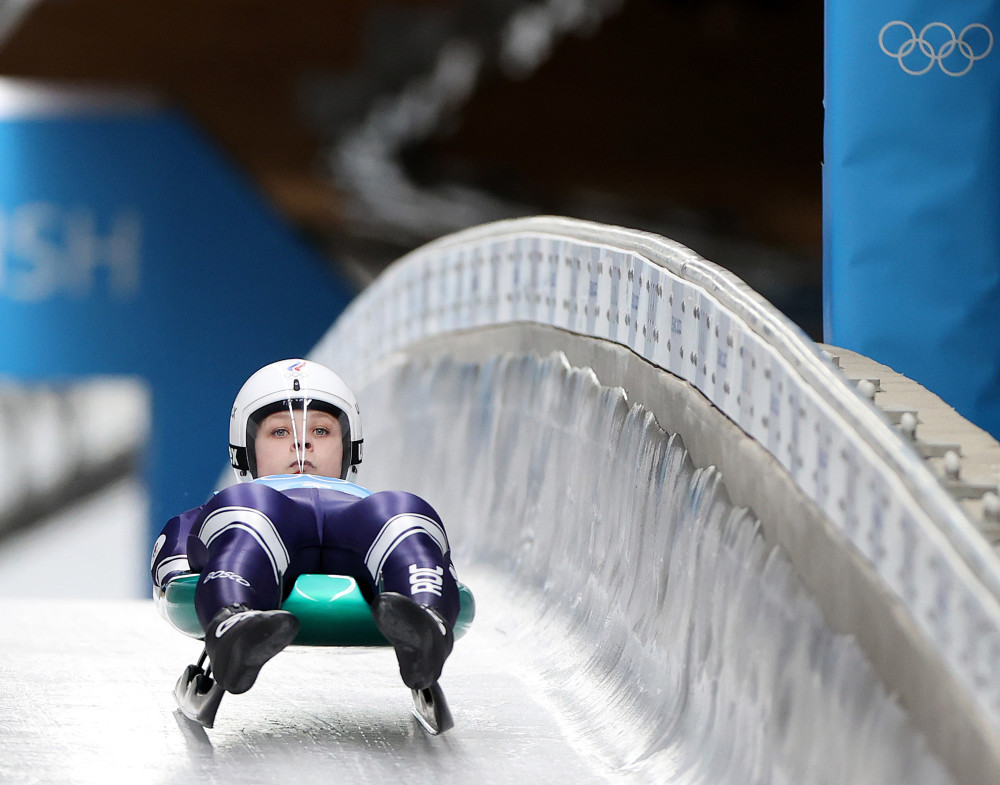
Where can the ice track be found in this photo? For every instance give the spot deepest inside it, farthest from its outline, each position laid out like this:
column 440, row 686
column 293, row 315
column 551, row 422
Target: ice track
column 85, row 697
column 838, row 623
column 672, row 640
column 724, row 674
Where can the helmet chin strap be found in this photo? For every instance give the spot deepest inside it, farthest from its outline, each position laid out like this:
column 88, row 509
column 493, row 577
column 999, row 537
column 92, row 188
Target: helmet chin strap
column 300, row 444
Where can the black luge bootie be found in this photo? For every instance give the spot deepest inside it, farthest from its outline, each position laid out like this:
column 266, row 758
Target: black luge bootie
column 421, row 638
column 240, row 640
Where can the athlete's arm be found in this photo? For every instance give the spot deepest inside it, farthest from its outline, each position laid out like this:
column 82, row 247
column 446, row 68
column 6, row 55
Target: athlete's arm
column 170, row 550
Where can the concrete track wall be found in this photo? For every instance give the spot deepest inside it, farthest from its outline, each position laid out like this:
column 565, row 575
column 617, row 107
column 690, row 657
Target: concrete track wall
column 885, row 552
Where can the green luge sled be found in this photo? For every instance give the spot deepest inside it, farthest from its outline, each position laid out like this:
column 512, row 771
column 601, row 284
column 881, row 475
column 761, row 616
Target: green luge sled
column 330, row 608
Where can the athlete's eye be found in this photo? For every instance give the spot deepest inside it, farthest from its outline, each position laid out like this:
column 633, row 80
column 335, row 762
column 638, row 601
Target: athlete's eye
column 321, row 431
column 279, row 433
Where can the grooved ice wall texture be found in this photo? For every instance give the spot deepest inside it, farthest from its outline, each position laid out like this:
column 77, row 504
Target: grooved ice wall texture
column 698, row 322
column 680, row 643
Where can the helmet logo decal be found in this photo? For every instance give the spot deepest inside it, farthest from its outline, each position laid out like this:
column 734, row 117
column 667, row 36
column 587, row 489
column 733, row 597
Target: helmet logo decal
column 297, row 367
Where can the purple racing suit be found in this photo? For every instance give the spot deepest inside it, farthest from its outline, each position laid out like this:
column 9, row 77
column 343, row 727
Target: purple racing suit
column 251, row 541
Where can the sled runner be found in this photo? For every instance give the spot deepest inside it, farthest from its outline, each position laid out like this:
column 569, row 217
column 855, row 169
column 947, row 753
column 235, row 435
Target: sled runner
column 331, row 611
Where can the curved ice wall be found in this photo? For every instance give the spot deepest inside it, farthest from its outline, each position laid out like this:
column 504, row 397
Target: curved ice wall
column 646, row 523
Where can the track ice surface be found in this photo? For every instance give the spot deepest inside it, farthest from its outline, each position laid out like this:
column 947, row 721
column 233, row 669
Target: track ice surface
column 85, row 697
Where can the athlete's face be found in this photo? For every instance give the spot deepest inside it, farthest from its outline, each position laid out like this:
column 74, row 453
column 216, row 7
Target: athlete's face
column 323, row 444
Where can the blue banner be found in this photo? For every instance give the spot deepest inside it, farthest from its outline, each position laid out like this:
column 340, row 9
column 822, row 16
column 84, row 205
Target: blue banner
column 912, row 193
column 130, row 245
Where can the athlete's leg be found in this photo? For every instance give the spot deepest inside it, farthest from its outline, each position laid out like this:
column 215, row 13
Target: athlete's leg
column 400, row 540
column 403, row 546
column 244, row 547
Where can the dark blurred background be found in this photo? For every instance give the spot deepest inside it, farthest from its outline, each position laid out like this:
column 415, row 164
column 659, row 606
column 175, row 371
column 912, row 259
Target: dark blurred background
column 374, row 127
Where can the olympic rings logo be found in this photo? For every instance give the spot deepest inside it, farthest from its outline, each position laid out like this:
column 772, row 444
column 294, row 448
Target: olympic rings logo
column 936, row 44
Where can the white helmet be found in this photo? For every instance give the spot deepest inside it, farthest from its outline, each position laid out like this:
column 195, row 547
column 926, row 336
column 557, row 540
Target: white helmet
column 292, row 384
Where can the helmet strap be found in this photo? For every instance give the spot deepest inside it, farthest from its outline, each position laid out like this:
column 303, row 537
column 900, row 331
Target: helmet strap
column 300, row 443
